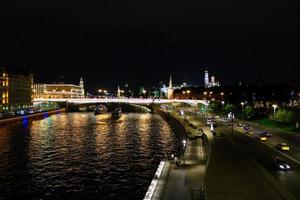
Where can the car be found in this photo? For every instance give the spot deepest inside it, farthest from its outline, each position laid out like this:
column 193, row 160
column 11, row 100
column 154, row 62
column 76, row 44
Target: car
column 193, row 126
column 261, row 137
column 267, row 133
column 185, row 121
column 181, row 112
column 209, row 121
column 20, row 112
column 280, row 163
column 282, row 147
column 246, row 128
column 239, row 125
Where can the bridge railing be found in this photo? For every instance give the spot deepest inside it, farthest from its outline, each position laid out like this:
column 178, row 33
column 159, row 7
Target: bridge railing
column 116, row 100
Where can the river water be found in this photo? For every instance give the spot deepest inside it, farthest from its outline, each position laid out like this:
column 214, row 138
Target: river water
column 79, row 156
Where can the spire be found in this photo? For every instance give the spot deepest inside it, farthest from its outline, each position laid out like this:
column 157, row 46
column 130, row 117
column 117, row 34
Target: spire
column 170, row 82
column 170, row 89
column 118, row 92
column 81, row 84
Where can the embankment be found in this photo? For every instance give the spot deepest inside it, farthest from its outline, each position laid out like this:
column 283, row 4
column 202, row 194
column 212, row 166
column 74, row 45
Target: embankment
column 31, row 116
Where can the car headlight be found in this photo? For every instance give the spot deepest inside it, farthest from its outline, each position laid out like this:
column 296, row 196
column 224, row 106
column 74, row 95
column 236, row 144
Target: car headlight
column 288, row 166
column 281, row 166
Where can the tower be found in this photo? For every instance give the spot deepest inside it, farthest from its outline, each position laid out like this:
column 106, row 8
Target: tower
column 206, row 78
column 81, row 84
column 118, row 93
column 170, row 89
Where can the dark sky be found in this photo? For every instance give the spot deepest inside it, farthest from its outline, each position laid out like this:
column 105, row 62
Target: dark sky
column 110, row 42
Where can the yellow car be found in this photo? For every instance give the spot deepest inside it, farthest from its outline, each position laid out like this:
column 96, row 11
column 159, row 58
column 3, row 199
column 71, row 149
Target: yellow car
column 282, row 147
column 263, row 138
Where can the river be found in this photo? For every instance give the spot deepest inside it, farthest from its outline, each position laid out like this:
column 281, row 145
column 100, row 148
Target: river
column 79, row 156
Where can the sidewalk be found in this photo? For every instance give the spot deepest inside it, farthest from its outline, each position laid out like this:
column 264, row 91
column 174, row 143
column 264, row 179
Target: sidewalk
column 184, row 182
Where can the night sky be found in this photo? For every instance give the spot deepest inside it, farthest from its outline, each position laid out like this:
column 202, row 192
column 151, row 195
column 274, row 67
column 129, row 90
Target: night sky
column 110, row 42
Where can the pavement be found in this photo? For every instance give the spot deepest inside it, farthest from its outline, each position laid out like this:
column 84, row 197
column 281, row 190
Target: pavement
column 184, row 182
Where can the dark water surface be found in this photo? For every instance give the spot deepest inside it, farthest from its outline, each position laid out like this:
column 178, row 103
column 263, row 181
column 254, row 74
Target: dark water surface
column 80, row 156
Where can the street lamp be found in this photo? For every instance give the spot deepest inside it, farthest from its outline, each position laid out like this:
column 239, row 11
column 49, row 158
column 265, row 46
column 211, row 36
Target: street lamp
column 188, row 92
column 223, row 102
column 242, row 103
column 183, row 148
column 274, row 106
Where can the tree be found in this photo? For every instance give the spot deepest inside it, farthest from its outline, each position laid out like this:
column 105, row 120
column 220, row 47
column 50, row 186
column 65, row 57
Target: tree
column 285, row 116
column 214, row 107
column 229, row 108
column 249, row 112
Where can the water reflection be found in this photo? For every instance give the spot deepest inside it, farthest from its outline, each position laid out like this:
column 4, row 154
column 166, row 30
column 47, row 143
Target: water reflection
column 79, row 155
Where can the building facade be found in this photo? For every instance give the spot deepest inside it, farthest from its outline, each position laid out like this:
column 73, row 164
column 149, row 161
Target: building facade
column 15, row 88
column 210, row 82
column 58, row 90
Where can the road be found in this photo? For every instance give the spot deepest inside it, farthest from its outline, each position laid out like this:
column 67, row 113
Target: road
column 263, row 153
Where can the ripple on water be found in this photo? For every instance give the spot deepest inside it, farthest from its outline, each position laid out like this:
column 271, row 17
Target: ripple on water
column 78, row 155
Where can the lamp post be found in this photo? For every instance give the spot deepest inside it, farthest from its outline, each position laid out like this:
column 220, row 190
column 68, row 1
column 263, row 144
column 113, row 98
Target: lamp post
column 242, row 103
column 223, row 102
column 188, row 92
column 204, row 94
column 183, row 148
column 183, row 92
column 274, row 106
column 196, row 110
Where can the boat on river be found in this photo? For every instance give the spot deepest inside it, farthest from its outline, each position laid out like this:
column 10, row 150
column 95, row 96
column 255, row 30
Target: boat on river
column 100, row 109
column 116, row 114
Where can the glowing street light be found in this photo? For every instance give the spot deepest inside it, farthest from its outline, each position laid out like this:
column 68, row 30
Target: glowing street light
column 183, row 147
column 274, row 106
column 184, row 142
column 223, row 102
column 243, row 103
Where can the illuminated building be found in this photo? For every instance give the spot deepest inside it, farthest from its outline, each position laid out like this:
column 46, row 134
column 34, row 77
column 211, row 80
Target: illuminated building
column 170, row 89
column 58, row 90
column 15, row 88
column 210, row 83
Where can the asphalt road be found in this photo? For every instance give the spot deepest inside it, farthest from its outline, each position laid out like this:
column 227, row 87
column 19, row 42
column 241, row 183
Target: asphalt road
column 263, row 153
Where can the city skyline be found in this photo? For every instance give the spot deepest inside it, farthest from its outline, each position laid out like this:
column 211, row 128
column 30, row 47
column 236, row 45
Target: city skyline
column 257, row 42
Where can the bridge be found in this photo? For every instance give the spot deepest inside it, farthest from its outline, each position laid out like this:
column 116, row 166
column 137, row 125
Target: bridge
column 82, row 101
